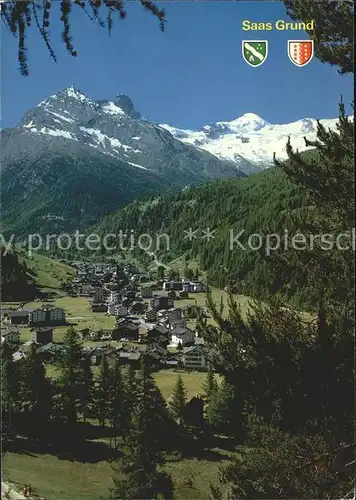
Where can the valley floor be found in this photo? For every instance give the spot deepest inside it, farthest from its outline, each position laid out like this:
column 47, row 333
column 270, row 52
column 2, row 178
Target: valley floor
column 57, row 477
column 60, row 478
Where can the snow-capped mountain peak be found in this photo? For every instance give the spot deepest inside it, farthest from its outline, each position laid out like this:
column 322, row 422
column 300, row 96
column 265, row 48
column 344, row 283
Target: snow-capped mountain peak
column 74, row 93
column 248, row 122
column 115, row 128
column 249, row 137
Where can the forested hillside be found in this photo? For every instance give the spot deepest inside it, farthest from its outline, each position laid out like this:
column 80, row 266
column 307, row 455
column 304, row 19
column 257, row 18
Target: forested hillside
column 263, row 203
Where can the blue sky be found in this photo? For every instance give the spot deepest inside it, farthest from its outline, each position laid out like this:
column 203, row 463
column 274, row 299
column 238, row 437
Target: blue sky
column 188, row 76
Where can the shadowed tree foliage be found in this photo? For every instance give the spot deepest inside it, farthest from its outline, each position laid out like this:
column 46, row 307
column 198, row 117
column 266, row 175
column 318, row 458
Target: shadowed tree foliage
column 280, row 465
column 334, row 32
column 20, row 16
column 294, row 379
column 138, row 471
column 326, row 263
column 10, row 390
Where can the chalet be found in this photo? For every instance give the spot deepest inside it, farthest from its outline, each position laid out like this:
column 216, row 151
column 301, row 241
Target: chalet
column 195, row 357
column 183, row 285
column 17, row 317
column 172, row 361
column 151, row 315
column 153, row 359
column 126, row 330
column 162, row 303
column 146, row 292
column 174, row 313
column 196, row 286
column 172, row 285
column 118, row 310
column 10, row 337
column 5, row 314
column 182, row 335
column 158, row 349
column 99, row 295
column 132, row 358
column 158, row 334
column 175, row 323
column 42, row 336
column 192, row 311
column 137, row 307
column 97, row 307
column 49, row 351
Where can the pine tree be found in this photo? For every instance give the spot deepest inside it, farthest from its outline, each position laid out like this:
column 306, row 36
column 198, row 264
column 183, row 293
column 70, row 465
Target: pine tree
column 118, row 409
column 178, row 400
column 102, row 392
column 188, row 272
column 142, row 455
column 288, row 372
column 21, row 16
column 333, row 33
column 212, row 410
column 10, row 395
column 226, row 408
column 36, row 394
column 71, row 368
column 87, row 389
column 130, row 383
column 160, row 272
column 277, row 464
column 209, row 385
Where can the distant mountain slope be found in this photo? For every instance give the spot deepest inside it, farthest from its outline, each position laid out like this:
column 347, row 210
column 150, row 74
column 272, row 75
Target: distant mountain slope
column 72, row 159
column 251, row 138
column 265, row 200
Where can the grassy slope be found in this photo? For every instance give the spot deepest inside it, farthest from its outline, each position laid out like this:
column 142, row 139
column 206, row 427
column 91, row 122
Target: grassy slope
column 26, row 276
column 58, row 479
column 48, row 273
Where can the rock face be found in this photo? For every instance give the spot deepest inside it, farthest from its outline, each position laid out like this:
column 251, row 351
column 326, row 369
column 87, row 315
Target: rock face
column 72, row 160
